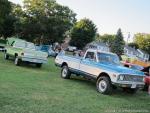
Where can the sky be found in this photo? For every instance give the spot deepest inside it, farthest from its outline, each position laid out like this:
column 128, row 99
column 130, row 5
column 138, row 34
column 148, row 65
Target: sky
column 109, row 15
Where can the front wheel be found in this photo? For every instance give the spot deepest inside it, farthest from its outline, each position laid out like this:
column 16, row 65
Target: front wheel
column 39, row 65
column 65, row 73
column 6, row 56
column 17, row 61
column 104, row 85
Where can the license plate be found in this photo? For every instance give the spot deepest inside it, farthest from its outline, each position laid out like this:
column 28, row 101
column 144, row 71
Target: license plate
column 133, row 86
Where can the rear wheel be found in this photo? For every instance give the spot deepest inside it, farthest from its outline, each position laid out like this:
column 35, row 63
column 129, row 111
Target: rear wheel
column 6, row 56
column 17, row 61
column 104, row 85
column 39, row 65
column 65, row 73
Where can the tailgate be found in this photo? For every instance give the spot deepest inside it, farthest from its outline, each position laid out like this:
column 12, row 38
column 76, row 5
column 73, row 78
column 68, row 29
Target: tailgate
column 35, row 54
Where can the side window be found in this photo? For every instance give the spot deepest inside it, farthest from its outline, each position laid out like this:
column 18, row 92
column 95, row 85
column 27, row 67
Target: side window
column 20, row 44
column 91, row 55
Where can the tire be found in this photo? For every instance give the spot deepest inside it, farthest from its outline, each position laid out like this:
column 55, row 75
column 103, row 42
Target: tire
column 131, row 90
column 17, row 61
column 39, row 65
column 65, row 73
column 6, row 56
column 104, row 85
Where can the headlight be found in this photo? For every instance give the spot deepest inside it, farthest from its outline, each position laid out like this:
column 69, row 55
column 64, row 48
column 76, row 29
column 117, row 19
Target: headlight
column 121, row 77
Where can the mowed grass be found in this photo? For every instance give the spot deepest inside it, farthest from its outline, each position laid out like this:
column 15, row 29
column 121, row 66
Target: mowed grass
column 27, row 89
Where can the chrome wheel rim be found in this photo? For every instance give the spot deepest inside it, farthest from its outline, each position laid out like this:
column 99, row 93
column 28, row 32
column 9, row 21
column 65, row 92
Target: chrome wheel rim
column 64, row 72
column 5, row 55
column 102, row 86
column 16, row 61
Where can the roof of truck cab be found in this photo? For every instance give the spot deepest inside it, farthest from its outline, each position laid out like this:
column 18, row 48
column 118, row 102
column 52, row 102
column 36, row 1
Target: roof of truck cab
column 96, row 50
column 14, row 39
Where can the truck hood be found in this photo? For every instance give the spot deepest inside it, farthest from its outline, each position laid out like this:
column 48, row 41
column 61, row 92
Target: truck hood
column 119, row 69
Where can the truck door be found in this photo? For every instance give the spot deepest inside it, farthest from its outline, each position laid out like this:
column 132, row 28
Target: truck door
column 88, row 64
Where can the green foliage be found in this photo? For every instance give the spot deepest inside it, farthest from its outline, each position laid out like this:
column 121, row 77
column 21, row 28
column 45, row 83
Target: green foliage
column 8, row 26
column 143, row 41
column 20, row 17
column 106, row 38
column 133, row 45
column 5, row 9
column 40, row 19
column 44, row 19
column 82, row 33
column 118, row 44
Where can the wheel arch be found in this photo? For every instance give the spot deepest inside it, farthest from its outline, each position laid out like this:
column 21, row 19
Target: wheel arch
column 104, row 74
column 16, row 54
column 64, row 64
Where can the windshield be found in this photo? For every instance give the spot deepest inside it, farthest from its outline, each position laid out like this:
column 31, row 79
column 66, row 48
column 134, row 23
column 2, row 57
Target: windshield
column 30, row 46
column 20, row 44
column 110, row 58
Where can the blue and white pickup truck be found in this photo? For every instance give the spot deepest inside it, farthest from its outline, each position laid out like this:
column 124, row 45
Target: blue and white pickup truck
column 104, row 67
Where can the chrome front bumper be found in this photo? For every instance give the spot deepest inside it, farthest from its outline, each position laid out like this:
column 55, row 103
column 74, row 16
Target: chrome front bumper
column 129, row 84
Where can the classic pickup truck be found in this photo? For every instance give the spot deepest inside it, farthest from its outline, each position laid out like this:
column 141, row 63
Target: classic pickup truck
column 103, row 67
column 24, row 51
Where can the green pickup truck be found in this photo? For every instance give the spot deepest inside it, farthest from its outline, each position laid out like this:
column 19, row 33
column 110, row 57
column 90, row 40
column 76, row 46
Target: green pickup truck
column 23, row 51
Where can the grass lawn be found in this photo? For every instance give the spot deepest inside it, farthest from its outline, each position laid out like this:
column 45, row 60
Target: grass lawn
column 27, row 89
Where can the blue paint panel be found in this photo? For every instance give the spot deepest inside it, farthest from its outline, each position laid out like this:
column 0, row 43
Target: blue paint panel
column 82, row 73
column 105, row 66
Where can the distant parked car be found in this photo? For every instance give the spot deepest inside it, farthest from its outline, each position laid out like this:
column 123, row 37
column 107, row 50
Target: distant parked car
column 52, row 53
column 23, row 51
column 71, row 48
column 132, row 66
column 48, row 49
column 146, row 70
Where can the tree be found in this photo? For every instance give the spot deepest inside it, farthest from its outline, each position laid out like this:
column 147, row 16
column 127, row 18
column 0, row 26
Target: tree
column 41, row 19
column 133, row 45
column 106, row 38
column 82, row 33
column 5, row 9
column 118, row 44
column 143, row 41
column 20, row 19
column 8, row 26
column 47, row 20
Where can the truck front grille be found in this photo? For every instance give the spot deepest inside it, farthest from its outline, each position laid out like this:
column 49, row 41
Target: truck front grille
column 133, row 78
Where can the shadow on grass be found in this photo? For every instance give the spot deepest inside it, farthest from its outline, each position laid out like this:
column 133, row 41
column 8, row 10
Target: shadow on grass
column 116, row 93
column 27, row 65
